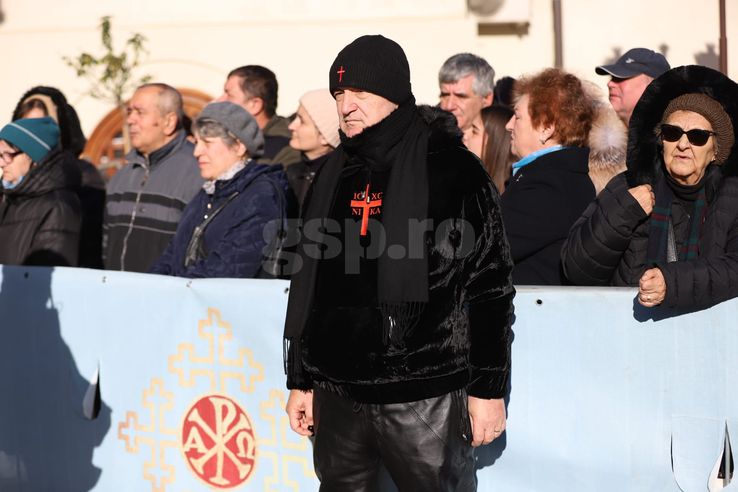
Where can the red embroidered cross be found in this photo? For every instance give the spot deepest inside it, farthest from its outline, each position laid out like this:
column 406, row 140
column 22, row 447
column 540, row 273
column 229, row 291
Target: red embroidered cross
column 340, row 73
column 366, row 204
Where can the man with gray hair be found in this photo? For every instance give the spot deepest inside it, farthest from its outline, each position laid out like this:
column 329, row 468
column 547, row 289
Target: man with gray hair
column 467, row 82
column 146, row 197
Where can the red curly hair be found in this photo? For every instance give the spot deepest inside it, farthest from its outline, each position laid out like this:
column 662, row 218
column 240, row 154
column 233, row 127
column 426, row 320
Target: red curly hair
column 558, row 98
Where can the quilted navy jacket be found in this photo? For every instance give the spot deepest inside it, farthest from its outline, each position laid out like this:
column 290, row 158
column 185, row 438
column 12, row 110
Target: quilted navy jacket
column 235, row 239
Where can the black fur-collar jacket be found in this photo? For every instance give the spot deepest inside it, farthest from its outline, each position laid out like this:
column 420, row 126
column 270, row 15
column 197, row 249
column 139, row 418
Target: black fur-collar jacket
column 608, row 244
column 462, row 338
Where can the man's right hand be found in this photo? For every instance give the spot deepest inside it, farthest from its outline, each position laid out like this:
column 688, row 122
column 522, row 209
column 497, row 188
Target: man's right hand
column 300, row 411
column 645, row 197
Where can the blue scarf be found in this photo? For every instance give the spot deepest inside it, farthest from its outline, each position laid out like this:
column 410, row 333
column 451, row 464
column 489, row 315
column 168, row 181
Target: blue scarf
column 9, row 186
column 531, row 157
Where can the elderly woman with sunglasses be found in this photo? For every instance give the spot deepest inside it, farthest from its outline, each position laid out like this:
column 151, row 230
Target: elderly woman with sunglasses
column 669, row 223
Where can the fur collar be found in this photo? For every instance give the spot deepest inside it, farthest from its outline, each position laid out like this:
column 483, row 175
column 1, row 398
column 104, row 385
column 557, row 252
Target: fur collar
column 444, row 131
column 643, row 158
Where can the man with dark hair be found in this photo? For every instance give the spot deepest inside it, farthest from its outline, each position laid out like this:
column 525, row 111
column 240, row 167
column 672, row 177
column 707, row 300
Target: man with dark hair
column 255, row 88
column 503, row 93
column 467, row 83
column 146, row 197
column 629, row 77
column 398, row 324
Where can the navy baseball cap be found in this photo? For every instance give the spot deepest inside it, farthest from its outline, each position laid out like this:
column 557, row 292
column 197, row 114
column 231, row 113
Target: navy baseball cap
column 635, row 62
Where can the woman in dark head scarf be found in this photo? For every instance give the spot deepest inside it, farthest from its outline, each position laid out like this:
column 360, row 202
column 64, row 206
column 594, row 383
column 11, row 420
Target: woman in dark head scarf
column 669, row 224
column 55, row 105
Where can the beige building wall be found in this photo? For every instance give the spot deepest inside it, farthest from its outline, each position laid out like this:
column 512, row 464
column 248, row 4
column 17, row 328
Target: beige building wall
column 195, row 43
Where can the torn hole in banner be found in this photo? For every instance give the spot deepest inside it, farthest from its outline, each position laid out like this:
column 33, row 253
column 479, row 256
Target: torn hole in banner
column 697, row 444
column 722, row 473
column 91, row 403
column 726, row 468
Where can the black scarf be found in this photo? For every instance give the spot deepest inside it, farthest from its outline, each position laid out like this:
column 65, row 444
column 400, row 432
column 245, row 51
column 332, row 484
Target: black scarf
column 665, row 191
column 399, row 143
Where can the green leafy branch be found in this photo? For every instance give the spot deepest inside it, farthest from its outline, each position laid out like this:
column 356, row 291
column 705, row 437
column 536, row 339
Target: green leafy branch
column 111, row 75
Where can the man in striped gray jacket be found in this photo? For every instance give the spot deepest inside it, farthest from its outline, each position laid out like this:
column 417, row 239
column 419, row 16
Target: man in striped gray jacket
column 146, row 197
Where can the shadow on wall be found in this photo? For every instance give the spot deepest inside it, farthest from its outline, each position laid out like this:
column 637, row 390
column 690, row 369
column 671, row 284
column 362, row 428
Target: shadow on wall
column 47, row 439
column 708, row 58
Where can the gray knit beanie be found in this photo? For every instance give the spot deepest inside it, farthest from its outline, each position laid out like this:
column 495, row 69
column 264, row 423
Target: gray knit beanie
column 714, row 113
column 238, row 122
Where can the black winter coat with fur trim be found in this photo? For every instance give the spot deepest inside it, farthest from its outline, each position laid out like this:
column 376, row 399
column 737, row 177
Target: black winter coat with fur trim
column 462, row 339
column 608, row 244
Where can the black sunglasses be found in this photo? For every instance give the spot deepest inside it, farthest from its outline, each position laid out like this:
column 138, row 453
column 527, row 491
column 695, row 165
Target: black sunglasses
column 696, row 136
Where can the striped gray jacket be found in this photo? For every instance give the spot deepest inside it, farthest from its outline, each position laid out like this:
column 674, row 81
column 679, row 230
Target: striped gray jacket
column 144, row 203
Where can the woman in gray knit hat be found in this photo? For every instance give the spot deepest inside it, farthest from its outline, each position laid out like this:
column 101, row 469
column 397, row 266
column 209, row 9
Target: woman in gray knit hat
column 669, row 223
column 226, row 229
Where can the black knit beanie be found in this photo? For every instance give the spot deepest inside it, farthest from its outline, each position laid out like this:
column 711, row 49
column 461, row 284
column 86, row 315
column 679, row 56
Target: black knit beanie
column 374, row 64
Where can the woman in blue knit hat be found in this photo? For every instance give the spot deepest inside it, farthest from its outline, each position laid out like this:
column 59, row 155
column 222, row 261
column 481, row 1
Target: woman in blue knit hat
column 42, row 101
column 39, row 209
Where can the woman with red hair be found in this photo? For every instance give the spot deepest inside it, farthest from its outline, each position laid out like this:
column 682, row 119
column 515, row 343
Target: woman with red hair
column 550, row 186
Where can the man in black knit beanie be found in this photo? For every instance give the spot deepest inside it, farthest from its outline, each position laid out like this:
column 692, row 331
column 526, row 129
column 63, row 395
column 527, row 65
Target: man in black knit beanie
column 397, row 333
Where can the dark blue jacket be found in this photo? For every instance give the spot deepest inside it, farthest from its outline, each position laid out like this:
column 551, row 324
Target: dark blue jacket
column 234, row 240
column 540, row 204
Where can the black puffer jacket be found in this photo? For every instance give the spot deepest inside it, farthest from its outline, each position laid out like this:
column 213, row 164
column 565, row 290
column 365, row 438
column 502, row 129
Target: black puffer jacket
column 91, row 191
column 608, row 244
column 40, row 218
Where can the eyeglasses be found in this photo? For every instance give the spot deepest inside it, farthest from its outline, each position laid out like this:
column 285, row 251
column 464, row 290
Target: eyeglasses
column 696, row 136
column 9, row 156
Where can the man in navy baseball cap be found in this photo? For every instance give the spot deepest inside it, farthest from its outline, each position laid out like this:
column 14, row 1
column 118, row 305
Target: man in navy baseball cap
column 630, row 76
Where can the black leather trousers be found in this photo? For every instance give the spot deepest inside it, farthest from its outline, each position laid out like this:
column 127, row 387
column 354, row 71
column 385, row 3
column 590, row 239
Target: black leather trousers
column 425, row 445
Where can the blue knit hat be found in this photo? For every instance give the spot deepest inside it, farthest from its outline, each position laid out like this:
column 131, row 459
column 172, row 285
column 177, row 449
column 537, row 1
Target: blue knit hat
column 34, row 136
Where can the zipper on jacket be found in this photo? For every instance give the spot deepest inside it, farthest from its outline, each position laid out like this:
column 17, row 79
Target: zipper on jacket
column 133, row 217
